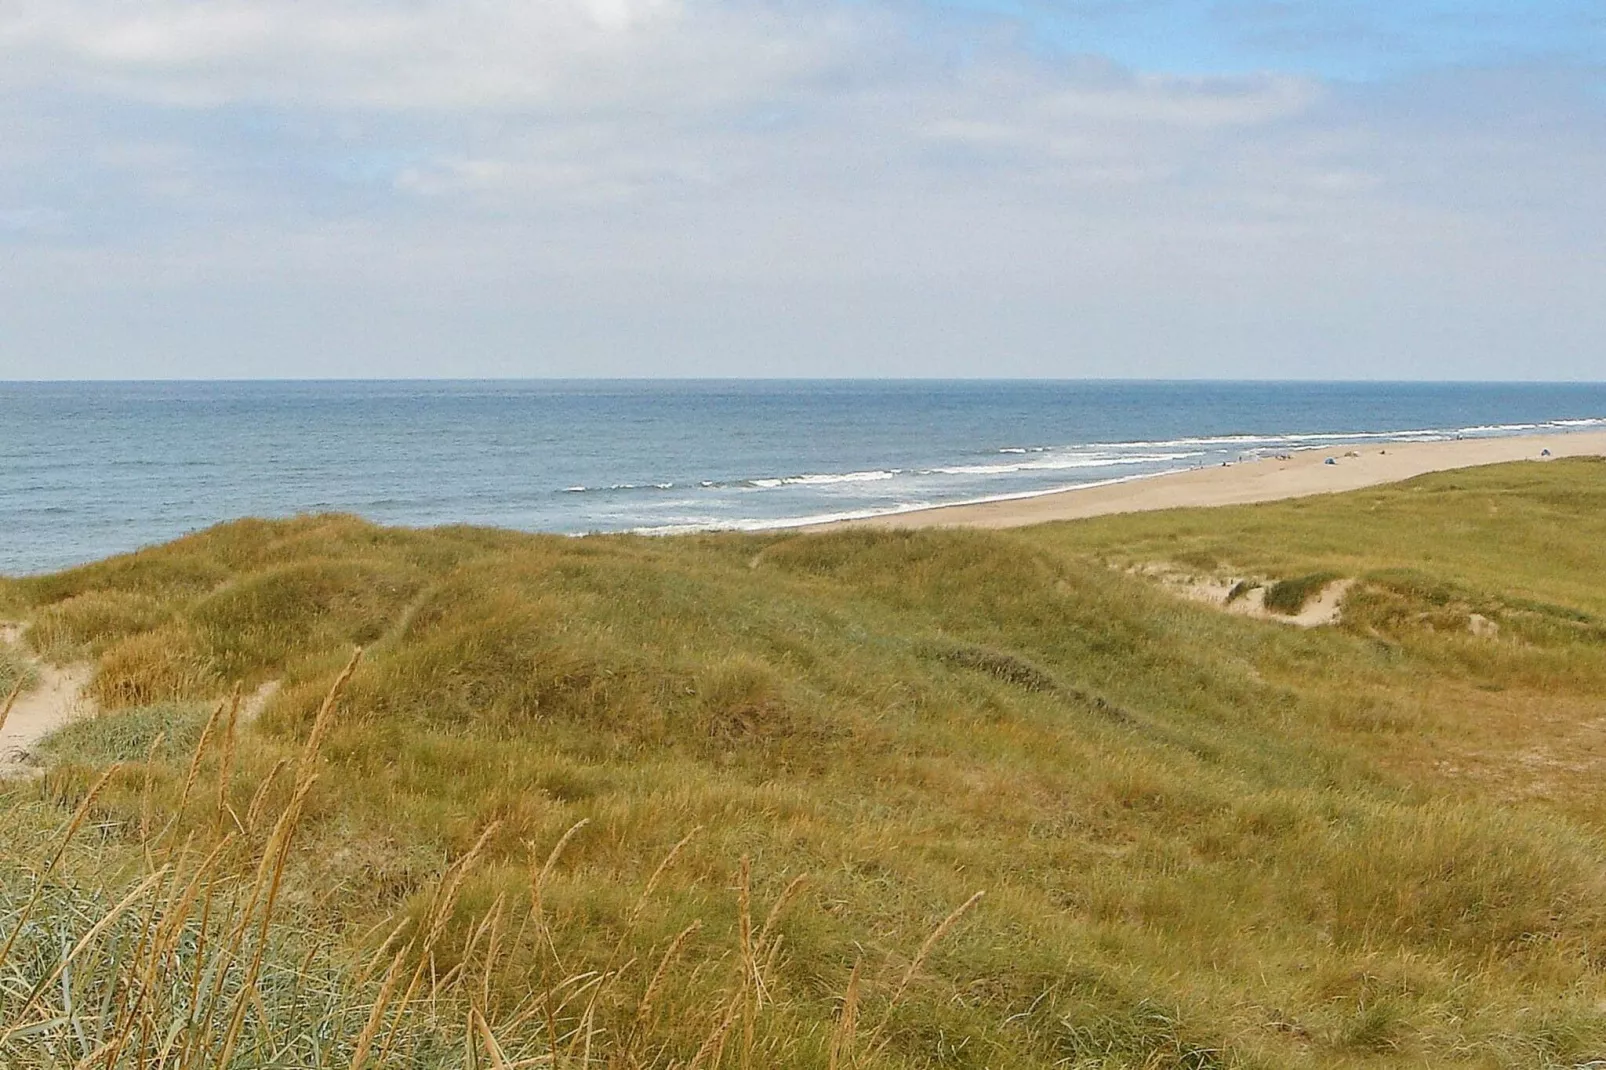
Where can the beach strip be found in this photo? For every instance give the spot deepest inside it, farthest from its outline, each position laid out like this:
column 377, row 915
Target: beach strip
column 1295, row 475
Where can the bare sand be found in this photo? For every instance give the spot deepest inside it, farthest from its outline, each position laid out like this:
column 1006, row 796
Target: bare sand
column 55, row 698
column 1301, row 475
column 1325, row 608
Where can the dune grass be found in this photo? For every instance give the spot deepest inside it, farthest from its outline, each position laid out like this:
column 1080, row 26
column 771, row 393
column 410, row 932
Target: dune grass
column 14, row 674
column 727, row 800
column 1289, row 596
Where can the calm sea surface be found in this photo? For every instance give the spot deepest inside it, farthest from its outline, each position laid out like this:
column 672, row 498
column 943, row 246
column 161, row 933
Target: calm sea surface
column 91, row 469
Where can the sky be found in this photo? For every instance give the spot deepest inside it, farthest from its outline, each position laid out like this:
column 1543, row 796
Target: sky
column 753, row 188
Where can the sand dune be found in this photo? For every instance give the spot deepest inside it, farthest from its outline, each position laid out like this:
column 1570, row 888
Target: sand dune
column 1267, row 480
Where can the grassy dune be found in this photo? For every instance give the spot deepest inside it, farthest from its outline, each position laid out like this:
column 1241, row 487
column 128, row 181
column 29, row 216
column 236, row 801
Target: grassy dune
column 727, row 800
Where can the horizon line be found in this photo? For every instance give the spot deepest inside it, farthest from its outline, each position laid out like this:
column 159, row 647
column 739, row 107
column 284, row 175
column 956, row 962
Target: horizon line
column 107, row 381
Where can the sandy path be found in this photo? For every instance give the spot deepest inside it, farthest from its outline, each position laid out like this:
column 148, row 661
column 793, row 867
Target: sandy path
column 1251, row 481
column 257, row 701
column 55, row 699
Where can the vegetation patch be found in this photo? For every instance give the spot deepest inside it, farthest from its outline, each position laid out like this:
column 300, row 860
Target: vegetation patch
column 1289, row 596
column 744, row 699
column 128, row 735
column 13, row 671
column 1146, row 1034
column 166, row 664
column 1010, row 668
column 1241, row 589
column 86, row 624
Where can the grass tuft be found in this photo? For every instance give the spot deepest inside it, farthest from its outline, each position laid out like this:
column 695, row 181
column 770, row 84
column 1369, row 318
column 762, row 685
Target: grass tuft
column 128, row 735
column 1010, row 668
column 1290, row 596
column 1240, row 589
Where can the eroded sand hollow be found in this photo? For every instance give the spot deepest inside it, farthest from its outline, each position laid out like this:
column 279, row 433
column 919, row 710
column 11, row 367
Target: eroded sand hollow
column 1326, row 608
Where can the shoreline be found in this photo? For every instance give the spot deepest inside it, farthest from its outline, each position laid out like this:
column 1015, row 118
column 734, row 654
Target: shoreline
column 1302, row 473
column 1297, row 475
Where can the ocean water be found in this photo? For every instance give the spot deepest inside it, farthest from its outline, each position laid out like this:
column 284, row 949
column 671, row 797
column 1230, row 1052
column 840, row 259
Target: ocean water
column 92, row 469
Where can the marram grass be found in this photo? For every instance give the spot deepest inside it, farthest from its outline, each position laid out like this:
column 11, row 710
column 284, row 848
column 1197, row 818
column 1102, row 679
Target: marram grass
column 172, row 951
column 726, row 801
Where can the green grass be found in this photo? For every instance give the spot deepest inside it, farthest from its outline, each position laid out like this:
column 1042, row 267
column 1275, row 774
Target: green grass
column 1205, row 839
column 128, row 736
column 1289, row 596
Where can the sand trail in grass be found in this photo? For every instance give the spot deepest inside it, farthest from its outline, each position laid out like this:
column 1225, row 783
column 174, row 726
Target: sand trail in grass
column 55, row 698
column 257, row 701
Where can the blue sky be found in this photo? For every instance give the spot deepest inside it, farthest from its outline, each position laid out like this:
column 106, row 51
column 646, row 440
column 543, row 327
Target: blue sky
column 764, row 187
column 1345, row 40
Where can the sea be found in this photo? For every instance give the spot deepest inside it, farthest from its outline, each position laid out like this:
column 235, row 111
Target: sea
column 91, row 469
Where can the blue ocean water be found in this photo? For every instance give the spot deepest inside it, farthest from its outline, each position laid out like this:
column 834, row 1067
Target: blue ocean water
column 92, row 469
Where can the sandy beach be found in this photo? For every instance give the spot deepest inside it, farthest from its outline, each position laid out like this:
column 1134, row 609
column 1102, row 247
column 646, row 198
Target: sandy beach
column 1298, row 476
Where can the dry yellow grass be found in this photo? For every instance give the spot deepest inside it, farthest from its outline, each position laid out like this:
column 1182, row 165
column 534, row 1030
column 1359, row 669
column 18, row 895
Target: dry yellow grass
column 192, row 966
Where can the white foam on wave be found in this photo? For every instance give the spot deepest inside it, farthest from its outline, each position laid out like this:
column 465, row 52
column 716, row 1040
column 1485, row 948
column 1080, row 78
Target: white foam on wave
column 691, row 526
column 582, row 489
column 1271, row 440
column 1056, row 464
column 1052, row 464
column 822, row 479
column 1403, row 435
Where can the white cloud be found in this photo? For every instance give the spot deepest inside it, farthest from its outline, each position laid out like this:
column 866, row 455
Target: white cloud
column 499, row 54
column 485, row 154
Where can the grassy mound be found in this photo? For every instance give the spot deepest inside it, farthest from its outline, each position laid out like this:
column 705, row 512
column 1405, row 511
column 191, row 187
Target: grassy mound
column 726, row 800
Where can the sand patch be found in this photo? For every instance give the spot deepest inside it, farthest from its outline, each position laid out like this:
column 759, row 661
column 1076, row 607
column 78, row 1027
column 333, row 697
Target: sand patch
column 257, row 701
column 1245, row 596
column 56, row 698
column 1325, row 608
